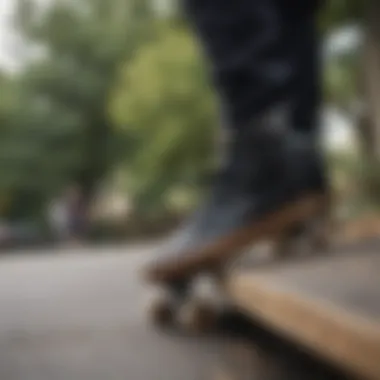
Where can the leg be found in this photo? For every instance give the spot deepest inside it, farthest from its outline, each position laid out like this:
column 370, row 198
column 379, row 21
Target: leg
column 179, row 307
column 251, row 68
column 305, row 108
column 272, row 178
column 306, row 115
column 307, row 82
column 302, row 51
column 165, row 307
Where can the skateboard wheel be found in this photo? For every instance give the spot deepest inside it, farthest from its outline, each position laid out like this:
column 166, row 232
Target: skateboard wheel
column 162, row 313
column 311, row 239
column 198, row 317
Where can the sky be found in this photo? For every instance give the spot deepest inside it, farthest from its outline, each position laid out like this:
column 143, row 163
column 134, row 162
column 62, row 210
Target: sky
column 338, row 133
column 6, row 34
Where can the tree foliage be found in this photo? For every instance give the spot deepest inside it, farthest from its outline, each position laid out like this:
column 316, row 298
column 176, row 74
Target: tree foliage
column 338, row 13
column 58, row 127
column 114, row 84
column 164, row 101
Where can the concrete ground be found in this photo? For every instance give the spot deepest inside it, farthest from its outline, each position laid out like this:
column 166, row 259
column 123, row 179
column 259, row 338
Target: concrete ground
column 79, row 314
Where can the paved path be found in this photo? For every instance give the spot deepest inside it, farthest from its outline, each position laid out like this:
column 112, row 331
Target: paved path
column 79, row 315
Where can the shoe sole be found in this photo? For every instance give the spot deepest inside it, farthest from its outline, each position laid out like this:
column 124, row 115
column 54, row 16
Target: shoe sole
column 272, row 226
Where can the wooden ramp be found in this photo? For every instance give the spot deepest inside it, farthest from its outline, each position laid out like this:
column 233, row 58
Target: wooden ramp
column 330, row 305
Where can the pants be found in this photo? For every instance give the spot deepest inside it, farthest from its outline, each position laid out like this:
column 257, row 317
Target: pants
column 261, row 53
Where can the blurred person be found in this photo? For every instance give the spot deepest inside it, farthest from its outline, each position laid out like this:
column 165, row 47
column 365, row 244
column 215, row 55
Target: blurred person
column 77, row 227
column 59, row 218
column 264, row 63
column 67, row 216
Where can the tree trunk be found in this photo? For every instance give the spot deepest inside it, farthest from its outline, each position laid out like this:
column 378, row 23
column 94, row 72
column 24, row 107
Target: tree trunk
column 369, row 124
column 371, row 83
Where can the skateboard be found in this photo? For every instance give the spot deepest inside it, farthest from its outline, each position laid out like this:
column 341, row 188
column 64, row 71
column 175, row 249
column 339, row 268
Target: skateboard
column 178, row 305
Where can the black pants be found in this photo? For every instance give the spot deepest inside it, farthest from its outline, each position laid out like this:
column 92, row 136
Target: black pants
column 262, row 53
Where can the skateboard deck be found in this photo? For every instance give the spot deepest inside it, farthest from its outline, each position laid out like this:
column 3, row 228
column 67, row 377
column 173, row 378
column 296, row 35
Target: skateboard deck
column 330, row 305
column 167, row 273
column 188, row 263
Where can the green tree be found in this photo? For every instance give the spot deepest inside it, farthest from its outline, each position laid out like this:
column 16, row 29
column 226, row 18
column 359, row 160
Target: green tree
column 338, row 13
column 353, row 85
column 61, row 131
column 163, row 99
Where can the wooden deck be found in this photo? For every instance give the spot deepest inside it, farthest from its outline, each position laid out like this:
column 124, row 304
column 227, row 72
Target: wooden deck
column 330, row 305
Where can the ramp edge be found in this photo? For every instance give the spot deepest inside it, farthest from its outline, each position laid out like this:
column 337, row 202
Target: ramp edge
column 352, row 343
